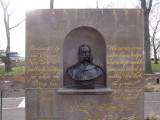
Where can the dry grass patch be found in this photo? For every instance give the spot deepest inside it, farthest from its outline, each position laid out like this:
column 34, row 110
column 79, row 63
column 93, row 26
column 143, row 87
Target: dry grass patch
column 153, row 116
column 2, row 77
column 19, row 78
column 5, row 76
column 149, row 87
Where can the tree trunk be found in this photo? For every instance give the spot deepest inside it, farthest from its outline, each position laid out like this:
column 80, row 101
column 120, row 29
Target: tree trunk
column 154, row 49
column 155, row 57
column 148, row 69
column 51, row 4
column 8, row 64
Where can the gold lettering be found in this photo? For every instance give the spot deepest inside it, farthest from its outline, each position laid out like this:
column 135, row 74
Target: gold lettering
column 126, row 12
column 112, row 47
column 42, row 69
column 36, row 83
column 52, row 84
column 46, row 90
column 129, row 118
column 102, row 12
column 138, row 11
column 114, row 12
column 64, row 12
column 40, row 48
column 40, row 12
column 53, row 12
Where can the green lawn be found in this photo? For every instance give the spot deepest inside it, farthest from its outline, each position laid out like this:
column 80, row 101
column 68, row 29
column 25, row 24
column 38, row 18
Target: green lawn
column 18, row 70
column 15, row 70
column 155, row 66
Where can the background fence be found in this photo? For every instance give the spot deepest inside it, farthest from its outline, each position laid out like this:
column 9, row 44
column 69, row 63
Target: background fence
column 1, row 96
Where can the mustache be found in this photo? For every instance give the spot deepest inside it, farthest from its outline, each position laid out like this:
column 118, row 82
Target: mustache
column 85, row 58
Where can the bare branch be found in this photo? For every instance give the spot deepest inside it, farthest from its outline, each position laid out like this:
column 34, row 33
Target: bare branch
column 136, row 4
column 157, row 47
column 2, row 4
column 150, row 5
column 16, row 24
column 7, row 5
column 12, row 12
column 97, row 4
column 143, row 5
column 110, row 5
column 151, row 25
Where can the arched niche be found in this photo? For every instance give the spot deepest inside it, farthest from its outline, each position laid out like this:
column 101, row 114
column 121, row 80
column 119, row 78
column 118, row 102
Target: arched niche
column 75, row 38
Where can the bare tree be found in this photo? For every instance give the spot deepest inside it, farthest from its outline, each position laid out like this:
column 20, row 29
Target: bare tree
column 97, row 4
column 6, row 16
column 155, row 28
column 156, row 46
column 147, row 8
column 153, row 39
column 51, row 4
column 109, row 4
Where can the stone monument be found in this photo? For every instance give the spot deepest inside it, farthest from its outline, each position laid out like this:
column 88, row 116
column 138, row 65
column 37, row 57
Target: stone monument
column 111, row 88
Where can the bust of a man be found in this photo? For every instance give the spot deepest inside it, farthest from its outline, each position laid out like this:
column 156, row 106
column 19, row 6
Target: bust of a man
column 85, row 71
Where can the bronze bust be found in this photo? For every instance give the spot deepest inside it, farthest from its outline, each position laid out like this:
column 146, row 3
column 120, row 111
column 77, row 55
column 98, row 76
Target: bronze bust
column 85, row 71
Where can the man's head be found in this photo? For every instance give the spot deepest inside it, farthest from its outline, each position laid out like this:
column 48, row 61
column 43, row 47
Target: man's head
column 84, row 54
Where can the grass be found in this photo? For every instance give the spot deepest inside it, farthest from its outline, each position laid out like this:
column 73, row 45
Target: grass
column 155, row 66
column 16, row 70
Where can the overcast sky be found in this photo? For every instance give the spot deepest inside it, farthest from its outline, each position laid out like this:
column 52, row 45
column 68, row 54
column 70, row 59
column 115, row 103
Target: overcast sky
column 18, row 34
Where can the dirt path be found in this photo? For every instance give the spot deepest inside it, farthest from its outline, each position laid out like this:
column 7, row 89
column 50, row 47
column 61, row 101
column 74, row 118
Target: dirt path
column 13, row 86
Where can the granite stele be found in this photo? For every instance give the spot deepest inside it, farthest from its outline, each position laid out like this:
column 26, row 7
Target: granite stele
column 84, row 64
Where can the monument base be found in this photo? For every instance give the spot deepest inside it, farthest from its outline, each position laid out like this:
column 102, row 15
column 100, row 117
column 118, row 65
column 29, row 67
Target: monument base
column 74, row 91
column 85, row 84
